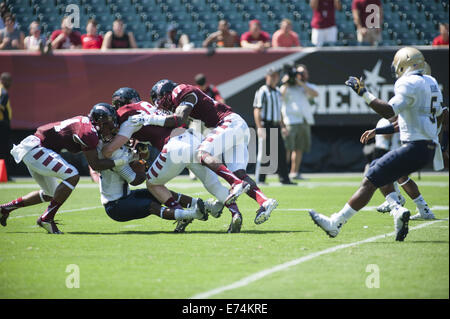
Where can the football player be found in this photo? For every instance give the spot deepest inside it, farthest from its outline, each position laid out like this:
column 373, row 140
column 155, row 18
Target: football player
column 171, row 143
column 123, row 204
column 41, row 154
column 410, row 187
column 418, row 104
column 229, row 138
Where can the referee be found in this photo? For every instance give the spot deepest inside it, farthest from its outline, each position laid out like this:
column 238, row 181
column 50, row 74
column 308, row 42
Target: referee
column 267, row 113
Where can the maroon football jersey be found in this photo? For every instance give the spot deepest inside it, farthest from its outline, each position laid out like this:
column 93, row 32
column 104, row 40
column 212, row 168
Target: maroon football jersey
column 206, row 109
column 156, row 135
column 63, row 135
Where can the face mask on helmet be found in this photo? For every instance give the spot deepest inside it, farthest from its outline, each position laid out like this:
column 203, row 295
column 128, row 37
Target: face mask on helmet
column 104, row 118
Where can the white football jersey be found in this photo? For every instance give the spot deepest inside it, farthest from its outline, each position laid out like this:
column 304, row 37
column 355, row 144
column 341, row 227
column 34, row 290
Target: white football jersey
column 417, row 102
column 114, row 182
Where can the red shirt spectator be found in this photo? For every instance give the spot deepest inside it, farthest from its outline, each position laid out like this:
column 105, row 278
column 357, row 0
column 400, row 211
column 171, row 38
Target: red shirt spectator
column 66, row 38
column 255, row 38
column 91, row 40
column 323, row 15
column 285, row 37
column 442, row 39
column 360, row 6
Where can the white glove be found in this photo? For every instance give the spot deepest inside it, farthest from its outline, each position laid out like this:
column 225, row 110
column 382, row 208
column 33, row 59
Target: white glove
column 140, row 119
column 146, row 119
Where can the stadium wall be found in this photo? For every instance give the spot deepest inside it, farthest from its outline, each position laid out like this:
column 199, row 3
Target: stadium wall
column 52, row 88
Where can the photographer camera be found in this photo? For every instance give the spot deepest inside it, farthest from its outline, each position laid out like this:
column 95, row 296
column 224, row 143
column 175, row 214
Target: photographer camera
column 297, row 94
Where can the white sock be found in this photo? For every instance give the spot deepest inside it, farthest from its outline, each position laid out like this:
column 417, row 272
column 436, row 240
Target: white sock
column 345, row 213
column 393, row 199
column 193, row 202
column 187, row 214
column 397, row 189
column 420, row 202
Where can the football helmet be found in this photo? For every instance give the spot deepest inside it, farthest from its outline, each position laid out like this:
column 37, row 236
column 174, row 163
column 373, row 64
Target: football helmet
column 161, row 94
column 124, row 96
column 104, row 118
column 407, row 59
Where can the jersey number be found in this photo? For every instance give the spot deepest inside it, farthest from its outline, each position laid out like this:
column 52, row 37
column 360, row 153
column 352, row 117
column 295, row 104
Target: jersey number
column 433, row 109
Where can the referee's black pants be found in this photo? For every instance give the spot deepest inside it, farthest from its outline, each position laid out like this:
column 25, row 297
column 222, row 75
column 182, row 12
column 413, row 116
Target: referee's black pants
column 282, row 169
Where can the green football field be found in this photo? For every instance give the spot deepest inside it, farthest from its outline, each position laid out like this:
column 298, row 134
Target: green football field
column 286, row 257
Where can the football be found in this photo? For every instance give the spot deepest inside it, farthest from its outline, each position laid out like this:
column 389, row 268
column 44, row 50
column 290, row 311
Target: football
column 138, row 166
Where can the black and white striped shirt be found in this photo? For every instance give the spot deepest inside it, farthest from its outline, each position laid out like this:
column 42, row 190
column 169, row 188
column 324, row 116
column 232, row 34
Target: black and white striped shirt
column 269, row 101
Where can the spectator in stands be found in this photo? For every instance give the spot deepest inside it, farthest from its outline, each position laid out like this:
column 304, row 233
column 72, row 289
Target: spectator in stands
column 5, row 120
column 368, row 23
column 324, row 29
column 442, row 39
column 118, row 38
column 3, row 11
column 91, row 40
column 11, row 38
column 173, row 39
column 66, row 37
column 208, row 89
column 35, row 41
column 223, row 37
column 285, row 36
column 255, row 38
column 298, row 117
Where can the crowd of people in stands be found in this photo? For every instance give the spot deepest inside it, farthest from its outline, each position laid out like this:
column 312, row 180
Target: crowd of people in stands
column 323, row 24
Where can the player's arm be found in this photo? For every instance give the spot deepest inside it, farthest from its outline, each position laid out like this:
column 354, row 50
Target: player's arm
column 179, row 118
column 385, row 130
column 381, row 107
column 130, row 176
column 117, row 142
column 126, row 130
column 98, row 164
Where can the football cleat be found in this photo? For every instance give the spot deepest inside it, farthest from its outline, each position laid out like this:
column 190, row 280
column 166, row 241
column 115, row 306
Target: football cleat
column 386, row 208
column 200, row 207
column 4, row 214
column 263, row 213
column 401, row 219
column 328, row 224
column 181, row 225
column 214, row 207
column 236, row 223
column 49, row 226
column 237, row 189
column 424, row 213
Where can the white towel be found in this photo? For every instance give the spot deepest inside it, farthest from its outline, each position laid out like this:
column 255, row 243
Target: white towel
column 438, row 160
column 27, row 144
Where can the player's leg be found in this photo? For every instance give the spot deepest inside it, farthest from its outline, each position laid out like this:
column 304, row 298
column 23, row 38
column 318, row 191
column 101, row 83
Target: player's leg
column 222, row 138
column 140, row 204
column 385, row 170
column 167, row 166
column 213, row 186
column 46, row 165
column 237, row 161
column 413, row 192
column 393, row 197
column 32, row 198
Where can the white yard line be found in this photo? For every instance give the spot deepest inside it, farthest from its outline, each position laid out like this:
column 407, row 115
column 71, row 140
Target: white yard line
column 266, row 272
column 60, row 212
column 367, row 208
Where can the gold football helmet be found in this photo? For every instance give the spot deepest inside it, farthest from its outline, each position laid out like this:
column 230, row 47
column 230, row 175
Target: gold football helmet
column 407, row 59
